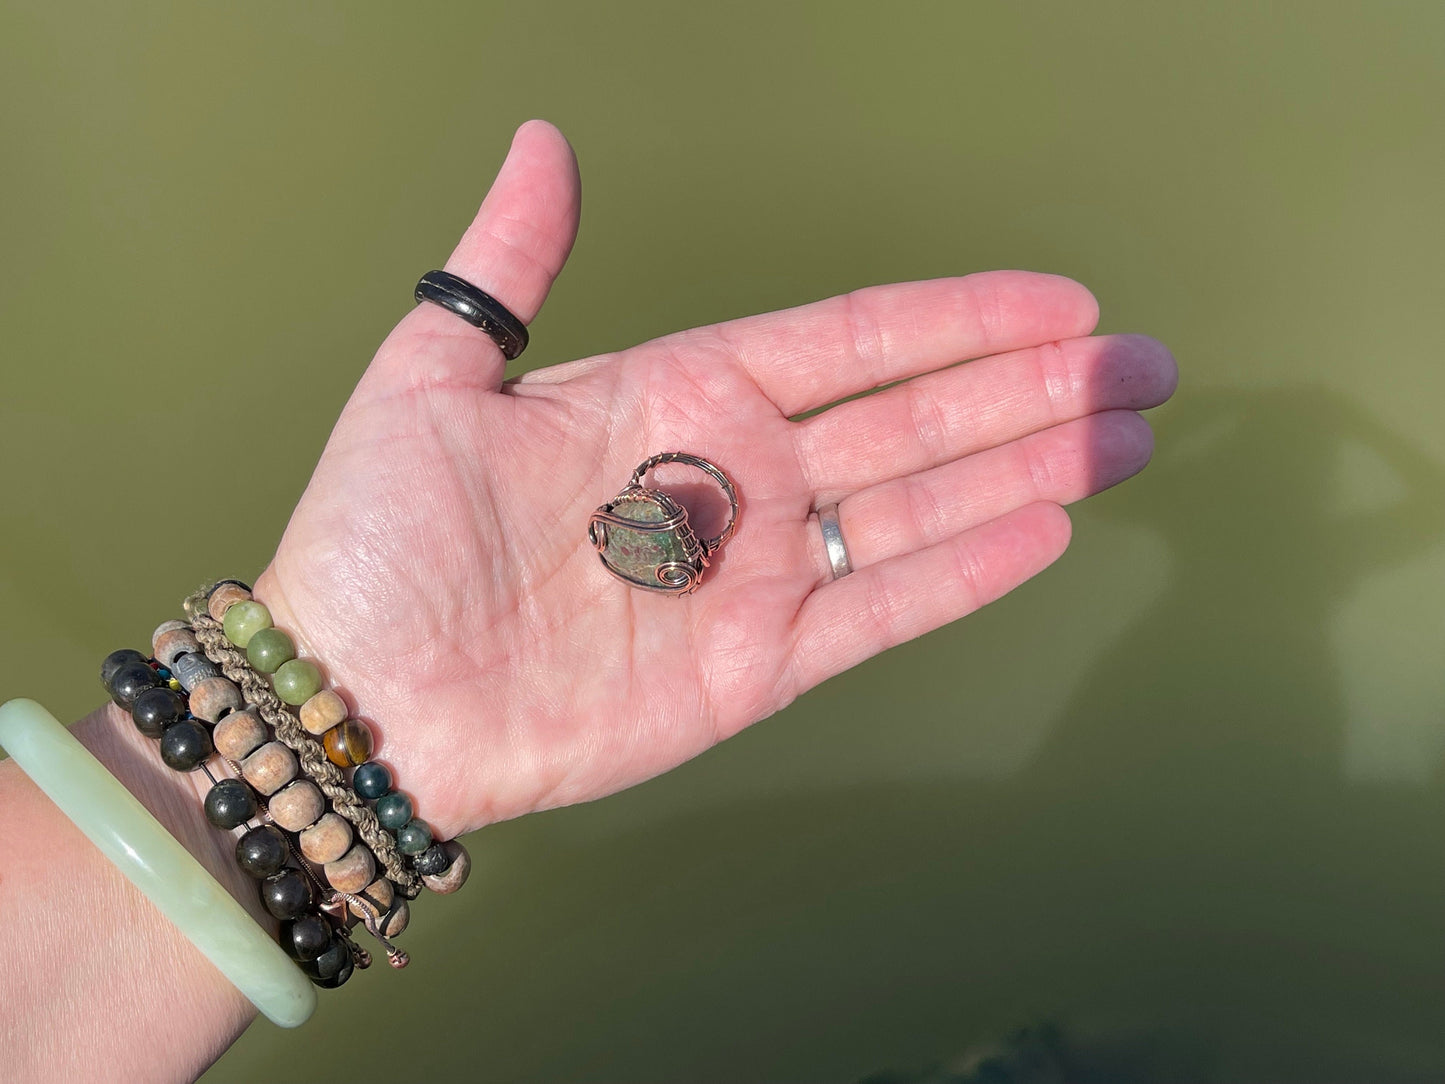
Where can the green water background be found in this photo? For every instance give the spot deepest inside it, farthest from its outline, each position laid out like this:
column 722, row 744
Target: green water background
column 1180, row 796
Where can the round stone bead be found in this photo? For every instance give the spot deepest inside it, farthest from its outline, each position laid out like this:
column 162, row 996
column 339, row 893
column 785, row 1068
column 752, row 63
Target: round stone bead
column 330, row 963
column 297, row 681
column 157, row 708
column 130, row 680
column 370, row 780
column 432, row 861
column 380, row 893
column 287, row 894
column 190, row 670
column 339, row 979
column 322, row 712
column 224, row 595
column 268, row 649
column 397, row 921
column 214, row 697
column 456, row 874
column 326, row 840
column 413, row 837
column 353, row 871
column 173, row 643
column 393, row 809
column 230, row 803
column 305, row 938
column 185, row 745
column 297, row 806
column 114, row 661
column 347, row 743
column 270, row 767
column 243, row 621
column 240, row 734
column 262, row 851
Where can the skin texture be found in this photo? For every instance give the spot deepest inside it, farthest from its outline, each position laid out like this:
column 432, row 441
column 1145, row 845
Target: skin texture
column 437, row 569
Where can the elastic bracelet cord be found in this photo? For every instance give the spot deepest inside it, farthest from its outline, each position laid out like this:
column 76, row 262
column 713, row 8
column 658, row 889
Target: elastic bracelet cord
column 156, row 863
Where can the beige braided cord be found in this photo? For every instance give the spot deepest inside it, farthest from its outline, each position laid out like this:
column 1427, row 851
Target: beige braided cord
column 314, row 762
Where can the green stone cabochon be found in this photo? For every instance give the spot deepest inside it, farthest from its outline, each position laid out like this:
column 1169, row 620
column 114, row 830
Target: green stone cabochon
column 636, row 555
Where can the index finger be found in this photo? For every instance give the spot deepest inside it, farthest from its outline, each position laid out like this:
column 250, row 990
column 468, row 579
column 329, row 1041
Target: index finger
column 816, row 354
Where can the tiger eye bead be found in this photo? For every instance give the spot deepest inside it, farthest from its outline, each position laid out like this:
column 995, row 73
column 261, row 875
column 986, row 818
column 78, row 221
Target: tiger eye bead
column 230, row 803
column 456, row 873
column 347, row 743
column 413, row 837
column 185, row 745
column 297, row 806
column 129, row 680
column 262, row 851
column 297, row 681
column 243, row 621
column 305, row 938
column 370, row 780
column 353, row 871
column 240, row 734
column 157, row 708
column 225, row 595
column 393, row 810
column 270, row 767
column 115, row 660
column 287, row 894
column 268, row 649
column 379, row 893
column 326, row 840
column 214, row 697
column 172, row 644
column 323, row 711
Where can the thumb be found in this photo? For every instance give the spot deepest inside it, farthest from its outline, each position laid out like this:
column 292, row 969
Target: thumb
column 513, row 250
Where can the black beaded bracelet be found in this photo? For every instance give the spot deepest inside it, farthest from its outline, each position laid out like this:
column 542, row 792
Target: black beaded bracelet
column 159, row 704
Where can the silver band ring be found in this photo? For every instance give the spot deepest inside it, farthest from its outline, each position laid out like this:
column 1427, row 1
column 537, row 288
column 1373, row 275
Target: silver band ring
column 833, row 541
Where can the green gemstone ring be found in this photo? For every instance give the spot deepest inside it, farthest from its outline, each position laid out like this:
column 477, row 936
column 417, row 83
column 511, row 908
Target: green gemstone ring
column 643, row 538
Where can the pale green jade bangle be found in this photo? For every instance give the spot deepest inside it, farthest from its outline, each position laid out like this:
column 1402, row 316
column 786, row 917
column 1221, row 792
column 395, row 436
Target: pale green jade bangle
column 152, row 860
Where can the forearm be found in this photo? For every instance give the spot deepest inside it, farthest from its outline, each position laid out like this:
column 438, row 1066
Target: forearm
column 94, row 982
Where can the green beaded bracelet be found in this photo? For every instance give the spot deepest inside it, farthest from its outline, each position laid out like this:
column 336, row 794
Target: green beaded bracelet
column 152, row 860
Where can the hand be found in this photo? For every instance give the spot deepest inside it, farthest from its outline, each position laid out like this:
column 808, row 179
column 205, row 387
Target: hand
column 438, row 566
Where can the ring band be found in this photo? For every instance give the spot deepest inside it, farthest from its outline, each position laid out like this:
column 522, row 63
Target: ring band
column 476, row 307
column 833, row 541
column 155, row 862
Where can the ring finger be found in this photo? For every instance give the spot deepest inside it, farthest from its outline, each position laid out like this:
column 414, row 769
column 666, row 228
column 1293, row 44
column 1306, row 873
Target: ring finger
column 1059, row 465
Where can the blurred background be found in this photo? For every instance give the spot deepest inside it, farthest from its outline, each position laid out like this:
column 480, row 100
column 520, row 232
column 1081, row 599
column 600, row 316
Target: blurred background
column 1172, row 811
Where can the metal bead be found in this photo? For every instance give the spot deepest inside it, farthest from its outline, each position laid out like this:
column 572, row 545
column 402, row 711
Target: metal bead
column 191, row 670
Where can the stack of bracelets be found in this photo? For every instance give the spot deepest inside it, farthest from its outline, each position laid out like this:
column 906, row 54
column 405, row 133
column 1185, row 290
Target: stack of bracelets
column 224, row 692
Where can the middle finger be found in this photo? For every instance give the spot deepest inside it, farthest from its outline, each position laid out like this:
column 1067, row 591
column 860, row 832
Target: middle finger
column 943, row 416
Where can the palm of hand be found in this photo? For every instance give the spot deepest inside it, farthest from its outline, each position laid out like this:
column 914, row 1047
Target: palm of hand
column 438, row 563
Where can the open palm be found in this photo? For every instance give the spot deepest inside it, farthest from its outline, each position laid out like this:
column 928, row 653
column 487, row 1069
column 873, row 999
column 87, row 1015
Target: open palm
column 438, row 564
